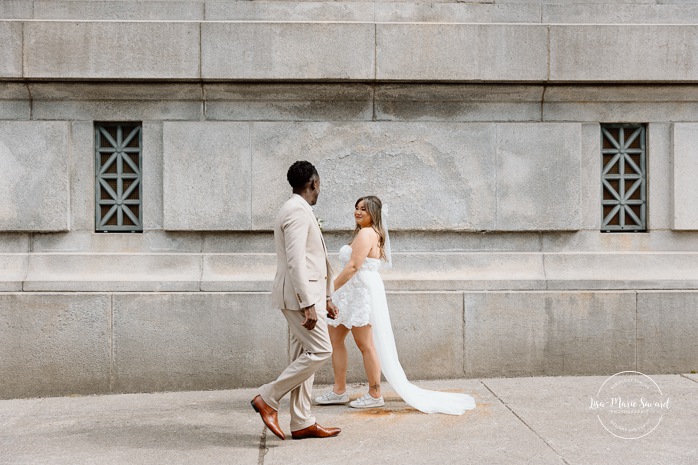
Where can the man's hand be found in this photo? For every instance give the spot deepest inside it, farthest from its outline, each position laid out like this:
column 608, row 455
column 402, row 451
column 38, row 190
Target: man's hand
column 310, row 318
column 332, row 310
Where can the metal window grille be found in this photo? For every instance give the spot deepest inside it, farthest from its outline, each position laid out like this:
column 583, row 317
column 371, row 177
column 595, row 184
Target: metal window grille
column 118, row 179
column 624, row 177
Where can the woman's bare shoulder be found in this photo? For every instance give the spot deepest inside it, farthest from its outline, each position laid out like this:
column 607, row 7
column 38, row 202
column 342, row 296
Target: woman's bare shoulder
column 368, row 234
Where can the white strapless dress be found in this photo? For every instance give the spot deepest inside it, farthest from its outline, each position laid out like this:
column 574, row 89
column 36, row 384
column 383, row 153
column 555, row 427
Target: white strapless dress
column 362, row 301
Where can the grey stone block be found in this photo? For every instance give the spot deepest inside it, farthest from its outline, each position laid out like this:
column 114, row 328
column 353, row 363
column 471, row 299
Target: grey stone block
column 34, row 186
column 54, row 344
column 428, row 337
column 577, row 1
column 614, row 13
column 666, row 327
column 111, row 50
column 196, row 341
column 289, row 11
column 149, row 241
column 599, row 53
column 471, row 12
column 415, row 102
column 618, row 94
column 620, row 104
column 14, row 101
column 126, row 91
column 14, row 242
column 460, row 52
column 620, row 112
column 595, row 240
column 82, row 177
column 288, row 51
column 152, row 175
column 230, row 241
column 590, row 179
column 463, row 270
column 16, row 9
column 116, row 102
column 207, row 176
column 609, row 270
column 538, row 176
column 445, row 172
column 549, row 333
column 13, row 269
column 684, row 193
column 117, row 110
column 132, row 10
column 659, row 176
column 238, row 272
column 429, row 345
column 289, row 102
column 452, row 241
column 15, row 109
column 113, row 272
column 11, row 51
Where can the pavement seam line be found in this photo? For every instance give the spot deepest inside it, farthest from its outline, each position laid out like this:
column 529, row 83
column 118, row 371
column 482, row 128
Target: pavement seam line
column 687, row 377
column 527, row 425
column 262, row 447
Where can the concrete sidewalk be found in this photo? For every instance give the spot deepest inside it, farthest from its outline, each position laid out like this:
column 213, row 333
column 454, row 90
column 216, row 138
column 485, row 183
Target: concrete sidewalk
column 542, row 420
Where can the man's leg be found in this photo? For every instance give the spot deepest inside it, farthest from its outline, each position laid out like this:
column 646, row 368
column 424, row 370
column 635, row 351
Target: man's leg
column 301, row 396
column 311, row 350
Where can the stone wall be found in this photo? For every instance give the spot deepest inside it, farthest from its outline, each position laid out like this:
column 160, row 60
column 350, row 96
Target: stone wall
column 477, row 123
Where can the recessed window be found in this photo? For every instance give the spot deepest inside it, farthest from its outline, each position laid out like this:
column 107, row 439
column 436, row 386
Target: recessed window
column 118, row 180
column 624, row 177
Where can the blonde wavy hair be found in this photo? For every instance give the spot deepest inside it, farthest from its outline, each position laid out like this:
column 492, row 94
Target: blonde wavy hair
column 373, row 206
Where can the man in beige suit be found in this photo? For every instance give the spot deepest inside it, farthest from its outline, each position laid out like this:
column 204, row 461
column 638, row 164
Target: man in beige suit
column 302, row 287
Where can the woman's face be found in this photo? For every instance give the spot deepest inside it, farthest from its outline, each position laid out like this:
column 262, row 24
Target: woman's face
column 363, row 219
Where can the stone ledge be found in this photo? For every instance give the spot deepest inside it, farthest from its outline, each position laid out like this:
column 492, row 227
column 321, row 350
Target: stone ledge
column 429, row 11
column 113, row 272
column 348, row 51
column 460, row 271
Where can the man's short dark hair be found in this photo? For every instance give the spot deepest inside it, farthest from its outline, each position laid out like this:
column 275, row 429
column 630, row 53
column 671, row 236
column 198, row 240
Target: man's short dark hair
column 300, row 173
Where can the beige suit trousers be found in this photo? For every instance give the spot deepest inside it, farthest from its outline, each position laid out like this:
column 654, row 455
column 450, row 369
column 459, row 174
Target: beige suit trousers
column 309, row 351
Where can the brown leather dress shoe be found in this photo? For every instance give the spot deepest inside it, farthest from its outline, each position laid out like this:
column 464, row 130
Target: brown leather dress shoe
column 315, row 431
column 269, row 416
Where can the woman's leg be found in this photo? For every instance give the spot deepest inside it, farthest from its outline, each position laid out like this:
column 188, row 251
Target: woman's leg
column 340, row 360
column 364, row 341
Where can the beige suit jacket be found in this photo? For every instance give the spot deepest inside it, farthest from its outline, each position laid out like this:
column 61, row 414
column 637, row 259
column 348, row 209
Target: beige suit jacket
column 303, row 272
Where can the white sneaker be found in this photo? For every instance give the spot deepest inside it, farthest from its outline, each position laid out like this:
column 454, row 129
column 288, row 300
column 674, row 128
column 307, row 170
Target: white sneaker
column 330, row 398
column 367, row 401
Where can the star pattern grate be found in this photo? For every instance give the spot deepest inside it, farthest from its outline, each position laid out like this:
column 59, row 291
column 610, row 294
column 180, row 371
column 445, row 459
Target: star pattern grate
column 118, row 179
column 624, row 177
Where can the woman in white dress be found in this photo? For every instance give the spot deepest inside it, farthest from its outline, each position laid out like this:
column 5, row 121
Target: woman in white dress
column 363, row 311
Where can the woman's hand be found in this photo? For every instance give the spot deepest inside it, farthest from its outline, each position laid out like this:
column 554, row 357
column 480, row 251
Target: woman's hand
column 332, row 310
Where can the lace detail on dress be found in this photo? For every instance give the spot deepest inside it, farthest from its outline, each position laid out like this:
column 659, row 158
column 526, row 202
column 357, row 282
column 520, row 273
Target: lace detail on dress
column 353, row 299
